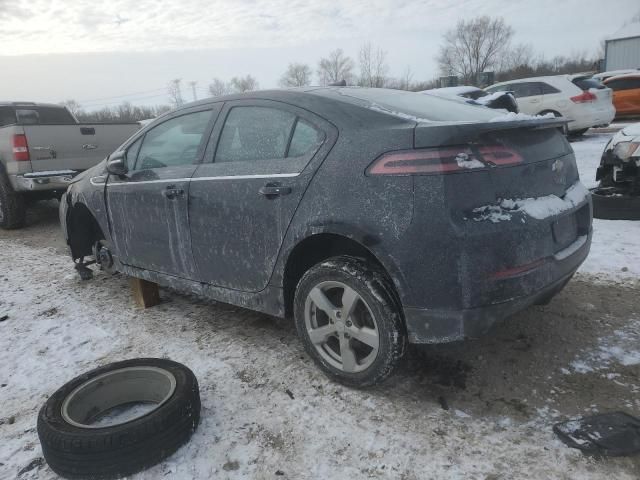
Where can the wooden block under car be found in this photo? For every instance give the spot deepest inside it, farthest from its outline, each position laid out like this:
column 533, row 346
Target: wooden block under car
column 145, row 293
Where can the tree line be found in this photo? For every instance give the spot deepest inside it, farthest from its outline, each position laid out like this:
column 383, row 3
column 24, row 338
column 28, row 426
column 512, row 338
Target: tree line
column 473, row 46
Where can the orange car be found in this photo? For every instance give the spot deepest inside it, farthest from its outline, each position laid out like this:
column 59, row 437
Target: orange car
column 626, row 94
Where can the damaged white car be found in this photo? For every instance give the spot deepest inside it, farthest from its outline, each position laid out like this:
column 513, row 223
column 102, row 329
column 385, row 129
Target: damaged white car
column 617, row 196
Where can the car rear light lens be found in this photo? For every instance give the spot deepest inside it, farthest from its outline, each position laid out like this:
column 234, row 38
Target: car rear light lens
column 20, row 148
column 584, row 97
column 442, row 161
column 517, row 271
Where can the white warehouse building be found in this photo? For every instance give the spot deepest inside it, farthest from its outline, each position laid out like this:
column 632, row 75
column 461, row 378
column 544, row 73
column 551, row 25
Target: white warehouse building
column 622, row 49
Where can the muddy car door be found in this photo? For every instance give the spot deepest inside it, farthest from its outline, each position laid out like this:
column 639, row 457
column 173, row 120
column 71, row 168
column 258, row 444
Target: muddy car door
column 261, row 157
column 148, row 206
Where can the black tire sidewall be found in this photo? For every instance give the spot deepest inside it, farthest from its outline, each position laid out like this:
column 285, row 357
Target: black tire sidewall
column 12, row 205
column 125, row 448
column 370, row 283
column 620, row 207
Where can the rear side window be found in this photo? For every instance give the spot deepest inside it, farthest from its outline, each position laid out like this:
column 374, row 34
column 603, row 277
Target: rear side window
column 548, row 89
column 305, row 139
column 44, row 116
column 7, row 116
column 527, row 89
column 255, row 134
column 585, row 83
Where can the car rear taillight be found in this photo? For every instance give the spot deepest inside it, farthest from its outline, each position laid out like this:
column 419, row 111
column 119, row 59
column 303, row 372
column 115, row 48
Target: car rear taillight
column 441, row 161
column 20, row 148
column 585, row 97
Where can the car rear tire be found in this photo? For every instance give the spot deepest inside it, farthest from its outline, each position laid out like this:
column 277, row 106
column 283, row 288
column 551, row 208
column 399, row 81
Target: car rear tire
column 349, row 321
column 75, row 446
column 611, row 203
column 564, row 129
column 578, row 133
column 13, row 211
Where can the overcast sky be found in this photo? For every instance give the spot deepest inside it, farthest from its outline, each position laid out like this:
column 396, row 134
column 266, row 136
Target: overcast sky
column 103, row 52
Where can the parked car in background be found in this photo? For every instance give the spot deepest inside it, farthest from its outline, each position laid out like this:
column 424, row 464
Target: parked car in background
column 602, row 76
column 584, row 101
column 42, row 147
column 617, row 196
column 626, row 94
column 477, row 96
column 373, row 217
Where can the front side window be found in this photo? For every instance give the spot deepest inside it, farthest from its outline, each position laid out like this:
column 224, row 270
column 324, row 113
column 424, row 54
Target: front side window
column 254, row 134
column 172, row 143
column 132, row 153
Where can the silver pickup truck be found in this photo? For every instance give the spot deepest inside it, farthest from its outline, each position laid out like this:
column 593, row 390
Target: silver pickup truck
column 42, row 147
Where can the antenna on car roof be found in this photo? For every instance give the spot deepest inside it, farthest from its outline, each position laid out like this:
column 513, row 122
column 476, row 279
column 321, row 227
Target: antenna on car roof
column 341, row 83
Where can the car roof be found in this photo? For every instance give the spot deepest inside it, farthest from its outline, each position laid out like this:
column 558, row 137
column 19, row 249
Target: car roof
column 625, row 75
column 545, row 78
column 359, row 107
column 452, row 90
column 29, row 104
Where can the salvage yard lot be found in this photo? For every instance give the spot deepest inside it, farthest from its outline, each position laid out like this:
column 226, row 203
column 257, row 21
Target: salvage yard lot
column 476, row 410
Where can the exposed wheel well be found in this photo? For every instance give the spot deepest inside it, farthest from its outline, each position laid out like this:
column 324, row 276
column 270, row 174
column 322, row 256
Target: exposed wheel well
column 315, row 249
column 83, row 231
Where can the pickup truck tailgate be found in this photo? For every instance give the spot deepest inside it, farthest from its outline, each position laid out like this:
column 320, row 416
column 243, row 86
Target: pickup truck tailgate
column 74, row 147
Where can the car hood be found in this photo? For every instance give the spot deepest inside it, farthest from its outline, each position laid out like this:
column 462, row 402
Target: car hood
column 631, row 130
column 99, row 169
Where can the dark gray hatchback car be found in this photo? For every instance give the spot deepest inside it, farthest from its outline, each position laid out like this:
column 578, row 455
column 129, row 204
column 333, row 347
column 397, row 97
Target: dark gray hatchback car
column 374, row 217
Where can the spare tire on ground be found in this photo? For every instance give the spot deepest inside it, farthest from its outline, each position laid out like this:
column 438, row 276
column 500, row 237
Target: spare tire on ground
column 86, row 433
column 611, row 203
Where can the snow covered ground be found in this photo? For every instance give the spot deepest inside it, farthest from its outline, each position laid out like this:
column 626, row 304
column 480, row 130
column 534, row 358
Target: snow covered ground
column 475, row 410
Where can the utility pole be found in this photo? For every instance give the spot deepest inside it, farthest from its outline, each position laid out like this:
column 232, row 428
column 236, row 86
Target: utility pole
column 193, row 89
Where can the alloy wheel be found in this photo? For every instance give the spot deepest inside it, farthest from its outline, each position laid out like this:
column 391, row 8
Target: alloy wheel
column 341, row 326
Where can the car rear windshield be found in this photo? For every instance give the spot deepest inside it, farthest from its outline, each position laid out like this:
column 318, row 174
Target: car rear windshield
column 585, row 83
column 7, row 116
column 28, row 115
column 412, row 105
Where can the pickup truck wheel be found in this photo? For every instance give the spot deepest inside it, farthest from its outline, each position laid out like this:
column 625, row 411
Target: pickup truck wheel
column 349, row 322
column 12, row 207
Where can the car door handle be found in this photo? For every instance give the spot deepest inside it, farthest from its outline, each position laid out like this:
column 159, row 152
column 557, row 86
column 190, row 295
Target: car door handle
column 271, row 190
column 171, row 192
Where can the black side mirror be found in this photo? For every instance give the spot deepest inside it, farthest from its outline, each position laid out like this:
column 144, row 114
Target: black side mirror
column 116, row 164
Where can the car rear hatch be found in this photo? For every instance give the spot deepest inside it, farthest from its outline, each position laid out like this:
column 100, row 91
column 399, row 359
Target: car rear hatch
column 594, row 92
column 511, row 194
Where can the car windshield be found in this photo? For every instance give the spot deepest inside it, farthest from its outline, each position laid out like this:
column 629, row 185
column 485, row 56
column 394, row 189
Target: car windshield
column 412, row 106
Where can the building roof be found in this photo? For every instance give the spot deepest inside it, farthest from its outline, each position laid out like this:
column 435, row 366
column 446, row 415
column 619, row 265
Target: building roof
column 628, row 31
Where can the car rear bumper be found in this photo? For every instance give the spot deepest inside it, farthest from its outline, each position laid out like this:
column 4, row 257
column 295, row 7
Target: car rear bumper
column 592, row 117
column 40, row 181
column 440, row 326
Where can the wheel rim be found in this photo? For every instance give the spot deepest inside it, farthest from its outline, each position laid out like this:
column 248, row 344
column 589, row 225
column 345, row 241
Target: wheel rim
column 147, row 387
column 341, row 326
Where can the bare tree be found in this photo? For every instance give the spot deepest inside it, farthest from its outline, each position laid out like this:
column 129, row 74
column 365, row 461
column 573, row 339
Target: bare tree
column 335, row 67
column 474, row 46
column 244, row 84
column 73, row 106
column 174, row 89
column 297, row 75
column 516, row 57
column 193, row 84
column 373, row 66
column 405, row 79
column 217, row 88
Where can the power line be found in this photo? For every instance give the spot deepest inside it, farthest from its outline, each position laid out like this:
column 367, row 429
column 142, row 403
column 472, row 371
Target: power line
column 93, row 105
column 91, row 100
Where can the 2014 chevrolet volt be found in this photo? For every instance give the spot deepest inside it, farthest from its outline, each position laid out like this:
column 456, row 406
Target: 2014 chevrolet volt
column 373, row 217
